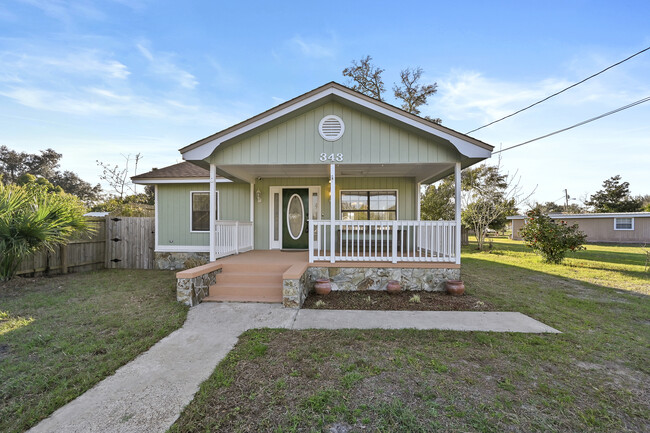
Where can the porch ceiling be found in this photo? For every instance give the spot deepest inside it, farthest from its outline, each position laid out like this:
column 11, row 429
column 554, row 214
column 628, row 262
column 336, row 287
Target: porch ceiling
column 425, row 173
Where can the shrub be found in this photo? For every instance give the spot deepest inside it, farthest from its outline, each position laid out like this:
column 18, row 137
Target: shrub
column 550, row 239
column 32, row 217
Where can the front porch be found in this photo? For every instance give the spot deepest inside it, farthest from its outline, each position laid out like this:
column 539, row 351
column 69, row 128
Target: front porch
column 287, row 277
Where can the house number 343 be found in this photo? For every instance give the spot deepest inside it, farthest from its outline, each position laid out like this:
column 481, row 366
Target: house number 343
column 331, row 157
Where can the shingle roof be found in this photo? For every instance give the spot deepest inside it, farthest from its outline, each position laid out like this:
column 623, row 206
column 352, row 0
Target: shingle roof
column 181, row 170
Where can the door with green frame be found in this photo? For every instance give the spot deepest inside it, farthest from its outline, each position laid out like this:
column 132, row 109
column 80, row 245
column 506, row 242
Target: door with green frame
column 295, row 218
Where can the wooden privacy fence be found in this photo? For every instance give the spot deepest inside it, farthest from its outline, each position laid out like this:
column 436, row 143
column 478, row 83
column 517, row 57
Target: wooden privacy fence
column 116, row 242
column 129, row 242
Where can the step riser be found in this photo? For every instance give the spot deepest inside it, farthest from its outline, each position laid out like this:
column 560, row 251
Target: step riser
column 250, row 279
column 253, row 268
column 246, row 292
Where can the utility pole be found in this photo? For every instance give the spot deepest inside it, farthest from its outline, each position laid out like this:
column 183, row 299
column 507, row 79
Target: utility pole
column 566, row 201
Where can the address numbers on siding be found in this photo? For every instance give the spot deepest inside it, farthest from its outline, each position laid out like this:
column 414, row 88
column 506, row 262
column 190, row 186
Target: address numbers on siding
column 331, row 157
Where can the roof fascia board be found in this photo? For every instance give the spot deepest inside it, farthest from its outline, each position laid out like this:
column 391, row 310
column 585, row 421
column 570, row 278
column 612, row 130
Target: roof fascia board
column 588, row 216
column 204, row 150
column 178, row 180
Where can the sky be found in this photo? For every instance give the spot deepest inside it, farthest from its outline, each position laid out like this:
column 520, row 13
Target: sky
column 97, row 80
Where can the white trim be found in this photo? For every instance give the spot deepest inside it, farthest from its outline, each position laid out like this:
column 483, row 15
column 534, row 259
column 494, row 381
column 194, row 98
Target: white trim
column 592, row 215
column 340, row 214
column 627, row 218
column 459, row 228
column 218, row 210
column 182, row 249
column 155, row 203
column 466, row 148
column 332, row 212
column 418, row 195
column 180, row 180
column 273, row 245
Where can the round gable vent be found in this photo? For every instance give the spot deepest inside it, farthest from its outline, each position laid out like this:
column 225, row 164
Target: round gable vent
column 331, row 127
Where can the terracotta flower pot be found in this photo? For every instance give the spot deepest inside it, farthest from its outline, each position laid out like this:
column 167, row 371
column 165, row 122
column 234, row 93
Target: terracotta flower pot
column 323, row 286
column 393, row 287
column 455, row 287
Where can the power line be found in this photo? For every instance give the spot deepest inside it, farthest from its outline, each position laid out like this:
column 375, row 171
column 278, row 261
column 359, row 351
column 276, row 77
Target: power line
column 561, row 91
column 640, row 101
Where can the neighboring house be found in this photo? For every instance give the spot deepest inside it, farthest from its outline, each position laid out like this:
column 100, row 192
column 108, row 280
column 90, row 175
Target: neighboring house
column 333, row 163
column 627, row 227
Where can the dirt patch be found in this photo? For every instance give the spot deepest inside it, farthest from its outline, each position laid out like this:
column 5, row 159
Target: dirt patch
column 4, row 351
column 416, row 301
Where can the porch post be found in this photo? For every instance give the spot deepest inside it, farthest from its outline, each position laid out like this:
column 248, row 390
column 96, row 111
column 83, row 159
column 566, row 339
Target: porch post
column 332, row 212
column 458, row 228
column 418, row 195
column 213, row 210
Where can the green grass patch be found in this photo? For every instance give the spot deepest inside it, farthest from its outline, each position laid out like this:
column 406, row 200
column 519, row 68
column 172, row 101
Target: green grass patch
column 59, row 336
column 594, row 377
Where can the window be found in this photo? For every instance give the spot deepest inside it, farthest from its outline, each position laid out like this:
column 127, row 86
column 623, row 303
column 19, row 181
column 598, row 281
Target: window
column 200, row 215
column 623, row 223
column 368, row 205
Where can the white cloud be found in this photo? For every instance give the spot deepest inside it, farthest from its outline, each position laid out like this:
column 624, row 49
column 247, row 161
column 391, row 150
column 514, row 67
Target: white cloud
column 313, row 49
column 161, row 64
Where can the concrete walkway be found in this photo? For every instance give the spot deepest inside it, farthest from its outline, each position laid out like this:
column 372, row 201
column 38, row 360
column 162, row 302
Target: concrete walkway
column 148, row 394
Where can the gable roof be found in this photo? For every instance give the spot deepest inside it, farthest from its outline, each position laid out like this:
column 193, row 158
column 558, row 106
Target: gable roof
column 466, row 145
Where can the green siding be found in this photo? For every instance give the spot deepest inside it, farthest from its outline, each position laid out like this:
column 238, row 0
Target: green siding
column 405, row 195
column 366, row 140
column 174, row 211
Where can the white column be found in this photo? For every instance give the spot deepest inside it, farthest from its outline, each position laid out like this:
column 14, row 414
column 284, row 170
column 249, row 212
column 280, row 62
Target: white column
column 252, row 217
column 458, row 228
column 332, row 211
column 213, row 210
column 418, row 195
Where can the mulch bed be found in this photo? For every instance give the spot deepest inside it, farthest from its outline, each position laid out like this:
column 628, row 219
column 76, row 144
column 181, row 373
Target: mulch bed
column 380, row 300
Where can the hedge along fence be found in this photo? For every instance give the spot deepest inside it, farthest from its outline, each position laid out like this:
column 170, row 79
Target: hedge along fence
column 99, row 249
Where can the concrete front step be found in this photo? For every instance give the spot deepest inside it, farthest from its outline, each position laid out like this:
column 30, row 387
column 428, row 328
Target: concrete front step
column 246, row 292
column 243, row 298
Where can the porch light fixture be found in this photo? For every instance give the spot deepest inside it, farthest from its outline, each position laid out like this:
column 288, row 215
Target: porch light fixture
column 258, row 195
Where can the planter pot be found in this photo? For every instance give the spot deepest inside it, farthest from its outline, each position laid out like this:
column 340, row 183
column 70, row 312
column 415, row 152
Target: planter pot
column 455, row 287
column 323, row 286
column 393, row 287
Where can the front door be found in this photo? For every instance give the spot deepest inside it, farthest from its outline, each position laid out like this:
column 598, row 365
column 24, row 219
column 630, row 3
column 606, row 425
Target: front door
column 295, row 208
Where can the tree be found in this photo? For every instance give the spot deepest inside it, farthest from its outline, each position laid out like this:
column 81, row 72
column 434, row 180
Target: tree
column 438, row 201
column 118, row 178
column 550, row 239
column 15, row 165
column 614, row 197
column 411, row 93
column 366, row 78
column 33, row 217
column 488, row 195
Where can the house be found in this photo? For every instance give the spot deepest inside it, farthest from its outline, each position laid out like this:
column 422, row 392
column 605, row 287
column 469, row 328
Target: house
column 326, row 185
column 627, row 227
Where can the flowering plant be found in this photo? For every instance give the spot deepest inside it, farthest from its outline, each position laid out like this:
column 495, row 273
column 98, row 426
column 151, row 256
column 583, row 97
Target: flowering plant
column 550, row 239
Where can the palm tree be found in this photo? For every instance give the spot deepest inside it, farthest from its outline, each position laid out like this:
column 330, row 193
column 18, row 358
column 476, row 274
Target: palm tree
column 31, row 218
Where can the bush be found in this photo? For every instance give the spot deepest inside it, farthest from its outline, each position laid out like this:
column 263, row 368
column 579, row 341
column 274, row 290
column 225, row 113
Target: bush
column 550, row 239
column 32, row 217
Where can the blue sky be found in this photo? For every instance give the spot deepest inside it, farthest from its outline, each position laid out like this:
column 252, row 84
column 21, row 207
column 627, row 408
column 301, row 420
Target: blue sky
column 97, row 79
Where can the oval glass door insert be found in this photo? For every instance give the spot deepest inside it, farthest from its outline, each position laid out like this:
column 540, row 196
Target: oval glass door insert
column 295, row 216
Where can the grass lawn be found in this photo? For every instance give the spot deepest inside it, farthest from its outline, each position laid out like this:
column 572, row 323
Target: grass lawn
column 593, row 377
column 59, row 336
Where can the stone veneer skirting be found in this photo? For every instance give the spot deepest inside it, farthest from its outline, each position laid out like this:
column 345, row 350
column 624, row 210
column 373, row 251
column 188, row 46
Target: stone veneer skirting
column 377, row 278
column 177, row 261
column 296, row 288
column 193, row 285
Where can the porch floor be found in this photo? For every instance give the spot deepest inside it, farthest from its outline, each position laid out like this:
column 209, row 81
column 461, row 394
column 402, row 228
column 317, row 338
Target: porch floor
column 289, row 258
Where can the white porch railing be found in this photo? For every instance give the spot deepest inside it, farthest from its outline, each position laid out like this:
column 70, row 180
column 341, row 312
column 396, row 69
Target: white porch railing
column 232, row 237
column 390, row 241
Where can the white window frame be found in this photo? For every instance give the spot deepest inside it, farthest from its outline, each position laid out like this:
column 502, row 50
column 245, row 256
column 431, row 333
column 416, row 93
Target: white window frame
column 340, row 213
column 191, row 201
column 623, row 218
